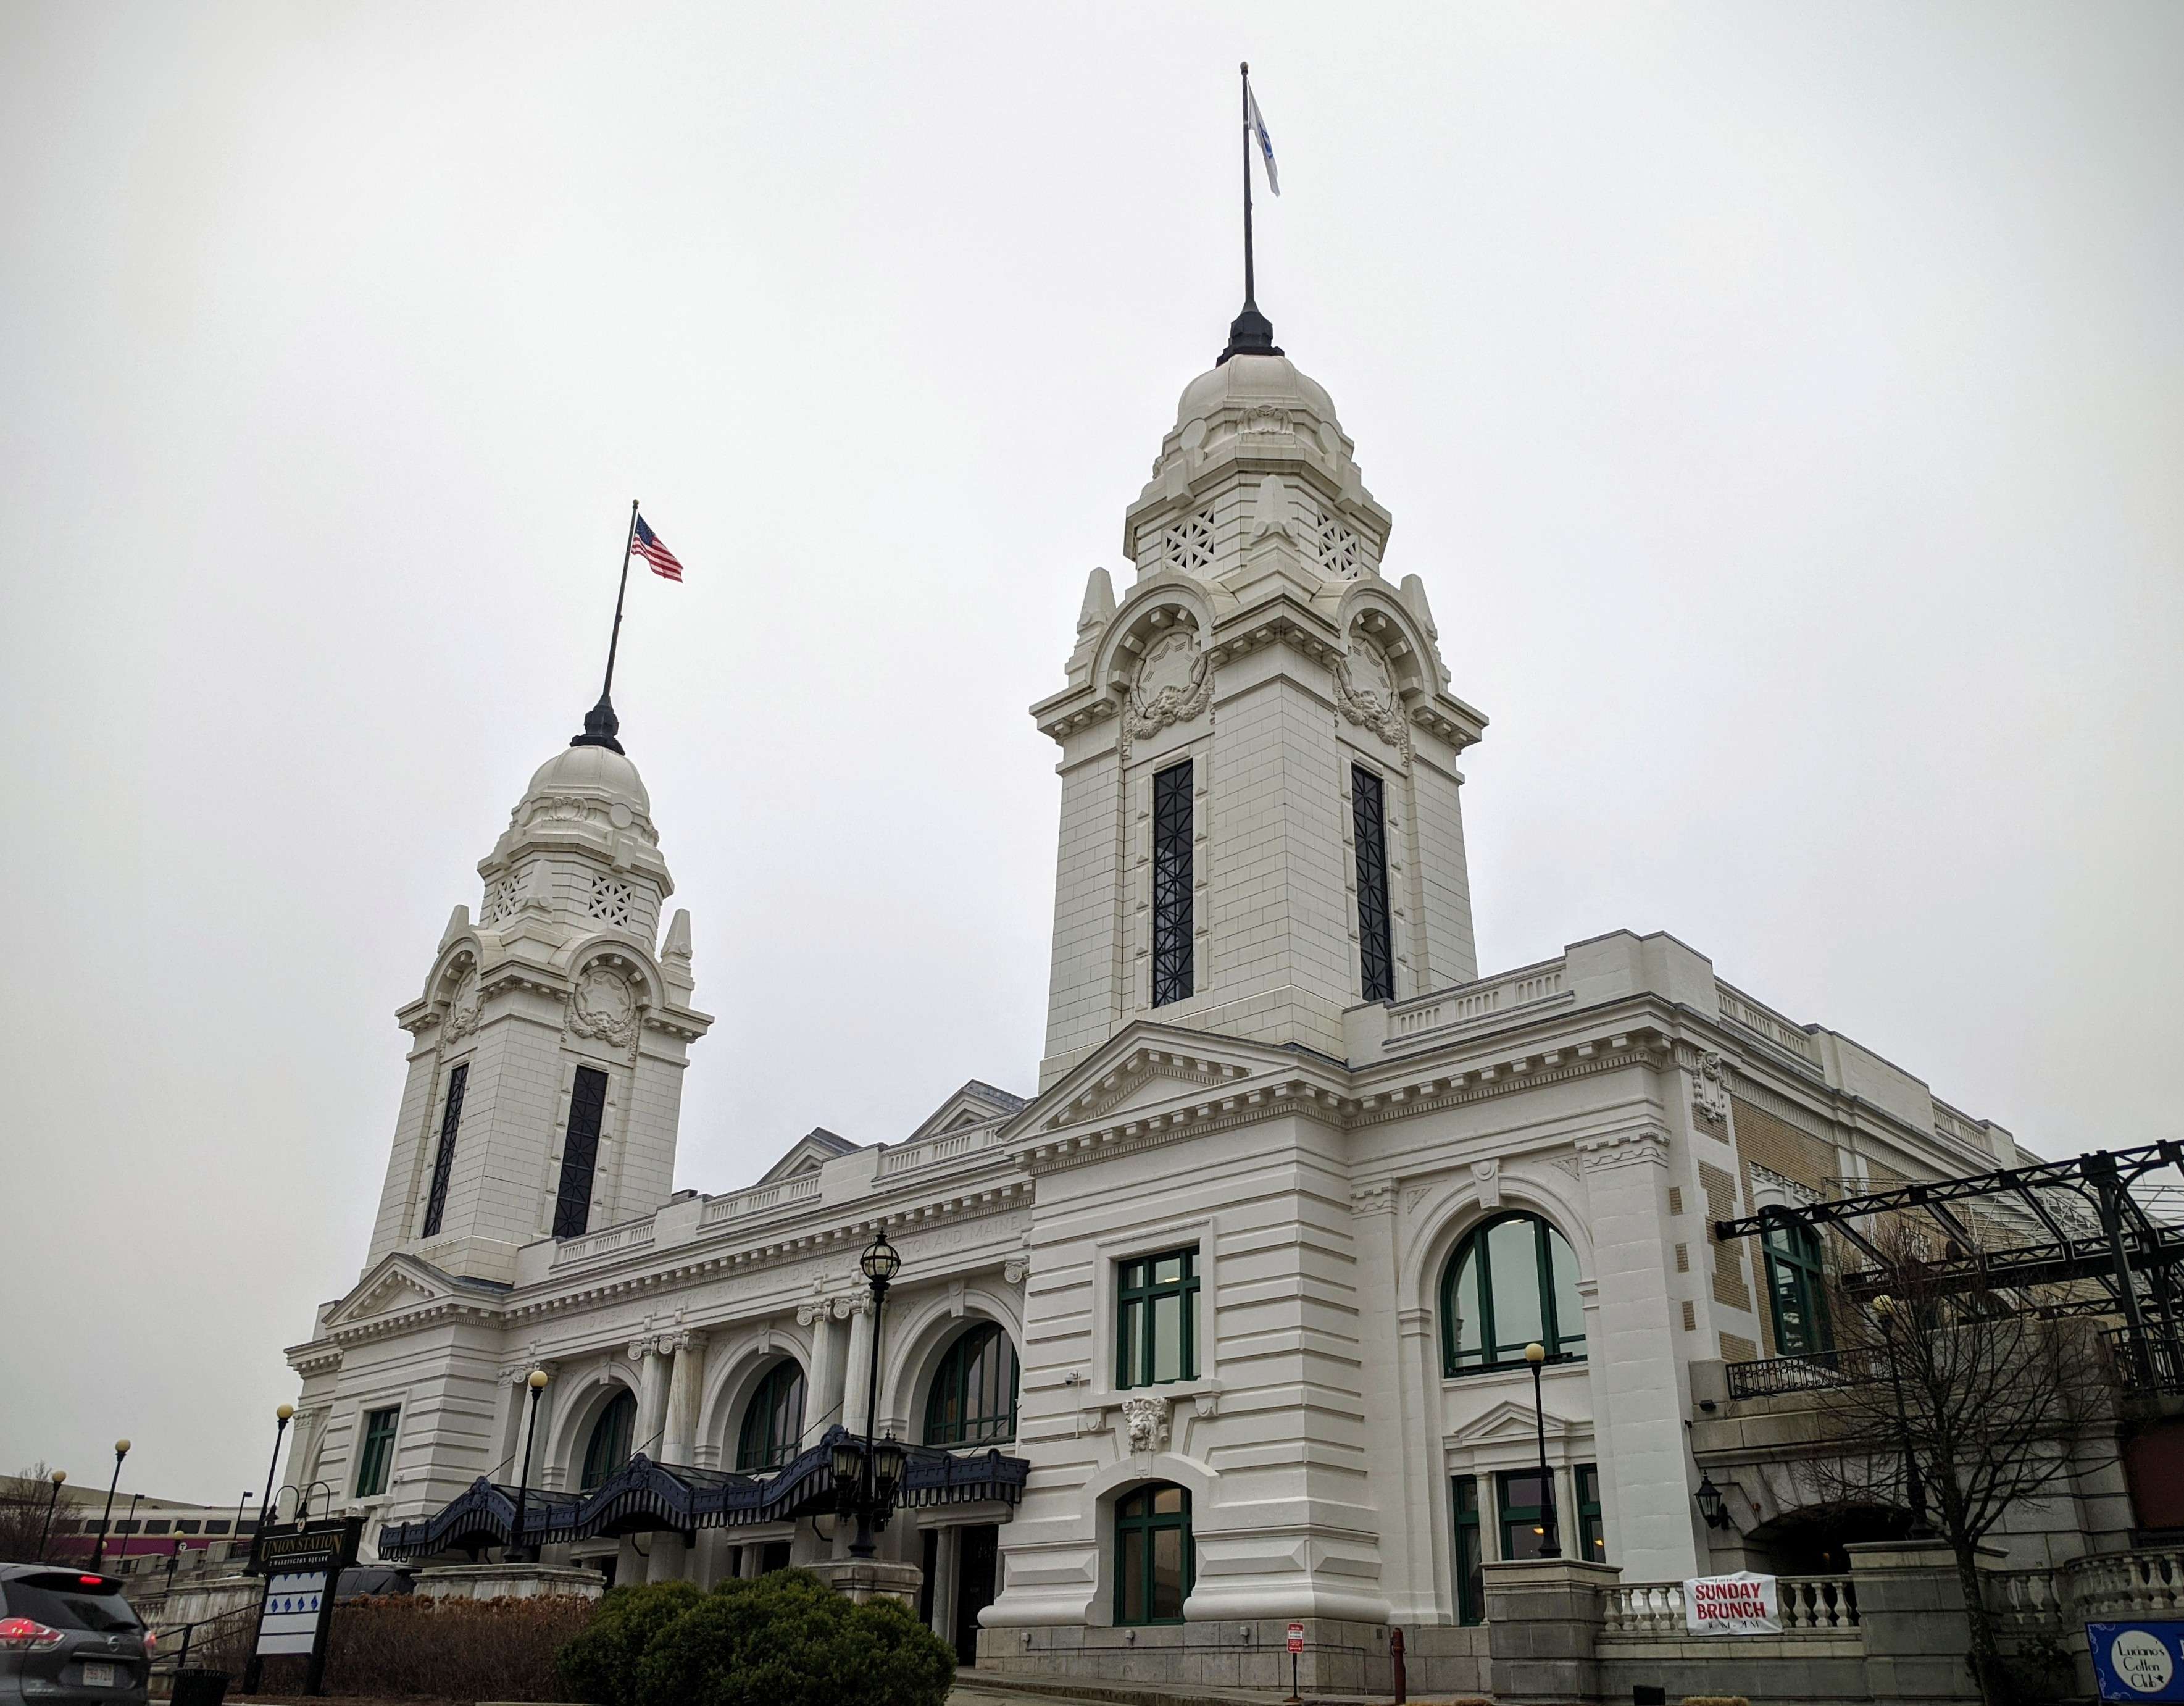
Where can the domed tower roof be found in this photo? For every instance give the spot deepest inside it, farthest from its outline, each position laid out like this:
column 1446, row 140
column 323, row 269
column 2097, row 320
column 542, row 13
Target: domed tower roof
column 600, row 772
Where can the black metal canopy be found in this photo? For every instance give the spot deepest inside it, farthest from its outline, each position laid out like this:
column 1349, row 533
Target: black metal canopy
column 645, row 1496
column 2095, row 1221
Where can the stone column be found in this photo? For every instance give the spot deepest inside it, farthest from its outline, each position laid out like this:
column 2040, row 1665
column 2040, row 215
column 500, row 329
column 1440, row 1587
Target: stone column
column 823, row 1316
column 1542, row 1615
column 857, row 1368
column 651, row 1398
column 1409, row 1490
column 1642, row 1430
column 1911, row 1615
column 686, row 1388
column 944, row 1583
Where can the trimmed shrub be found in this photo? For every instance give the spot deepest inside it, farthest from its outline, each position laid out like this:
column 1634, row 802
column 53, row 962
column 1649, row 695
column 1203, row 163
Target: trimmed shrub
column 464, row 1649
column 788, row 1639
column 601, row 1664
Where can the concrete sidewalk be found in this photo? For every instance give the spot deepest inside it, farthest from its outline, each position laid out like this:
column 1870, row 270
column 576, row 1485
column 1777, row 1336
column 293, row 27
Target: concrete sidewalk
column 993, row 1688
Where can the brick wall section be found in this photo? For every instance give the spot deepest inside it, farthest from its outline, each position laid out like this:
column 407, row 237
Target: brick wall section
column 1763, row 1139
column 1737, row 1348
column 1730, row 1287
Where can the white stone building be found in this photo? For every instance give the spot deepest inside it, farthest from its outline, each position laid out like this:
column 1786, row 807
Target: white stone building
column 1246, row 1284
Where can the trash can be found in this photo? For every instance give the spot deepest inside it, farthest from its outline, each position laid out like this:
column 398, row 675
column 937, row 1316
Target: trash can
column 196, row 1688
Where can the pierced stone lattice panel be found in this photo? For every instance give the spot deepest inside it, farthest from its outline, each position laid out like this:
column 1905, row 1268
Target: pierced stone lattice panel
column 610, row 901
column 503, row 895
column 1190, row 542
column 1342, row 552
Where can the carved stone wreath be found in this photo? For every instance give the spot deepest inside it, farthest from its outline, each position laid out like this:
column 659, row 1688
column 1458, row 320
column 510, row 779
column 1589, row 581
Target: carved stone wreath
column 603, row 1005
column 1144, row 1422
column 1174, row 685
column 1365, row 687
column 463, row 1010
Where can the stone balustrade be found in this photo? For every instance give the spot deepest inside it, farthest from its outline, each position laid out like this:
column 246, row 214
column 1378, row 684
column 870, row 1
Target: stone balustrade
column 949, row 1147
column 759, row 1199
column 2150, row 1583
column 1825, row 1605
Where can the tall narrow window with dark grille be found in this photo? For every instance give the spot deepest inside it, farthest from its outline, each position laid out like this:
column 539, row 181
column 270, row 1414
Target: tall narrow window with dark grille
column 443, row 1164
column 1376, row 955
column 1173, row 973
column 580, row 1152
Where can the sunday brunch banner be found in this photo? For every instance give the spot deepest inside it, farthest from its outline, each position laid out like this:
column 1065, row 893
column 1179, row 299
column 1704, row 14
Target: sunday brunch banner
column 1740, row 1604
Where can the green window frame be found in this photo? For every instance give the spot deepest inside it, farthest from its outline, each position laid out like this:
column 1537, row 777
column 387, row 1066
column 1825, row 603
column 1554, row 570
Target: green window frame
column 1156, row 1563
column 1523, row 1513
column 1592, row 1528
column 609, row 1446
column 1797, row 1290
column 1470, row 1557
column 1156, row 1318
column 1510, row 1281
column 973, row 1400
column 773, row 1420
column 376, row 1456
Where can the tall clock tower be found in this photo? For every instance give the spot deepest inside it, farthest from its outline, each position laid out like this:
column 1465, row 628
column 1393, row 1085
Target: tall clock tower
column 1260, row 821
column 548, row 1045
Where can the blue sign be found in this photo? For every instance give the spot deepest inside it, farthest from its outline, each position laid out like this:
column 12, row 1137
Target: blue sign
column 2138, row 1661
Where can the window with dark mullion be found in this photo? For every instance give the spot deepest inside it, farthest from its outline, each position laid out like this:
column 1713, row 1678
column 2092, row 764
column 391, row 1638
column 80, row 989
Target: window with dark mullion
column 1376, row 953
column 580, row 1152
column 443, row 1164
column 1591, row 1531
column 1156, row 1319
column 1174, row 975
column 1470, row 1576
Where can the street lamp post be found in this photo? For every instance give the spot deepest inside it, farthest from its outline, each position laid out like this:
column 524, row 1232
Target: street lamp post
column 52, row 1499
column 235, row 1534
column 280, row 1416
column 517, row 1552
column 1915, row 1486
column 106, row 1522
column 880, row 1262
column 1549, row 1540
column 129, row 1523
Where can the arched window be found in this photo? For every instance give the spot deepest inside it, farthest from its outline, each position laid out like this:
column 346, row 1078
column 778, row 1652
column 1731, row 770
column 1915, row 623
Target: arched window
column 773, row 1425
column 1511, row 1282
column 1155, row 1562
column 973, row 1398
column 1797, row 1283
column 608, row 1448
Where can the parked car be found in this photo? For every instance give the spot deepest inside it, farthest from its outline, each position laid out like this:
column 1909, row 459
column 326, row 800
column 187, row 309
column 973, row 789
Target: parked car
column 67, row 1637
column 360, row 1581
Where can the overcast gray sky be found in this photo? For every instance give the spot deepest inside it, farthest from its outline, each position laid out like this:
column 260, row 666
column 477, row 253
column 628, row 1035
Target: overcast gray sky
column 1781, row 403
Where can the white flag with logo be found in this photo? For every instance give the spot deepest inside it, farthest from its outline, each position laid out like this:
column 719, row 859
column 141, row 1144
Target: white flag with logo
column 1266, row 142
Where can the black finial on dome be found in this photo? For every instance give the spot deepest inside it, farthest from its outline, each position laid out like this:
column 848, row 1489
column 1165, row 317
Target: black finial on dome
column 1251, row 333
column 601, row 726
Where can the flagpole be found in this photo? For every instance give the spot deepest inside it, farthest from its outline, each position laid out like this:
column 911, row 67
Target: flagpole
column 601, row 726
column 629, row 545
column 1250, row 294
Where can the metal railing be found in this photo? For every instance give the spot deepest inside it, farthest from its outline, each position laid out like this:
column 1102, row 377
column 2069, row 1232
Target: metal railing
column 2146, row 1364
column 1816, row 1371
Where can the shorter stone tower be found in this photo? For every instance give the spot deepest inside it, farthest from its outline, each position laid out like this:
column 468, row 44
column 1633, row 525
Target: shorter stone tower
column 546, row 1073
column 1260, row 824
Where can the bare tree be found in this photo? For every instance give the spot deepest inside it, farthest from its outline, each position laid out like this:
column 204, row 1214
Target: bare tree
column 25, row 1499
column 1959, row 1401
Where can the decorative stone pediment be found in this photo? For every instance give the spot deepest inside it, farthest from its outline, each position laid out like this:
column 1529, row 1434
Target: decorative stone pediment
column 977, row 1103
column 1146, row 1078
column 398, row 1284
column 1508, row 1424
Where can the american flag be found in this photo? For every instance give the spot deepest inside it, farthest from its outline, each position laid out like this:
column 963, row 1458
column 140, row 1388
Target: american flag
column 646, row 543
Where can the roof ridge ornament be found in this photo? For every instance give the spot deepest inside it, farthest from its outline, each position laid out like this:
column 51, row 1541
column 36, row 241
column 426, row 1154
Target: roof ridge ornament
column 601, row 726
